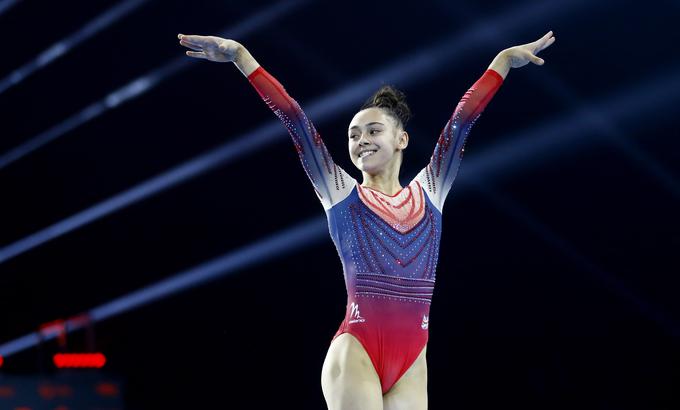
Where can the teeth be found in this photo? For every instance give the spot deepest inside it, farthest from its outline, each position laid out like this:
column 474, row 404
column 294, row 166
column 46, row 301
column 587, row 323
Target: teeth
column 366, row 153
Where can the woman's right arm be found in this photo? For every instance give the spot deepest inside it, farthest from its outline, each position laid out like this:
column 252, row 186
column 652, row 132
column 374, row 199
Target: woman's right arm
column 331, row 183
column 245, row 61
column 220, row 50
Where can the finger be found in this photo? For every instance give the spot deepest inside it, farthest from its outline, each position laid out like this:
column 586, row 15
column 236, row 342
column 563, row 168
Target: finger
column 187, row 38
column 191, row 46
column 196, row 54
column 195, row 40
column 537, row 60
column 544, row 39
column 546, row 36
column 547, row 44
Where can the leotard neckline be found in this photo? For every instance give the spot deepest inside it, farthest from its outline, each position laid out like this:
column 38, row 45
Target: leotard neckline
column 380, row 192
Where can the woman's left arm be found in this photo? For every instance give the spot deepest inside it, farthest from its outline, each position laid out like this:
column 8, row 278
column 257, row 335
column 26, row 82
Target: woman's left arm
column 437, row 177
column 519, row 56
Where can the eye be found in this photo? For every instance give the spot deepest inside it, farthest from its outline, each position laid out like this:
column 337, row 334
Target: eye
column 370, row 132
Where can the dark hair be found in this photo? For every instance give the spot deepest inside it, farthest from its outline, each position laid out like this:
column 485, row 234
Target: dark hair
column 393, row 101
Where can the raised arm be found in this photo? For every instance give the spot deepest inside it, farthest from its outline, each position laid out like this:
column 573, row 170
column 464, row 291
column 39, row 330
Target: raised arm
column 331, row 183
column 438, row 176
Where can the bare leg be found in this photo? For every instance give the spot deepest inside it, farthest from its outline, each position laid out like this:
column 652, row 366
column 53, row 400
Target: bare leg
column 348, row 379
column 410, row 391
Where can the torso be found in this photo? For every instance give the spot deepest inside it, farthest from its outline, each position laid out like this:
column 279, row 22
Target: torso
column 388, row 245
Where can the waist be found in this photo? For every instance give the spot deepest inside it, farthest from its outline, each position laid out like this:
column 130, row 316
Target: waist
column 394, row 288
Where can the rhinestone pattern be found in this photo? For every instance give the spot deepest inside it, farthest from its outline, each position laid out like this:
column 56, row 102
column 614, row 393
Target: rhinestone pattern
column 396, row 255
column 438, row 176
column 402, row 210
column 388, row 244
column 331, row 183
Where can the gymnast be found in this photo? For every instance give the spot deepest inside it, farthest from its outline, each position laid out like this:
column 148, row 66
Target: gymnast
column 387, row 236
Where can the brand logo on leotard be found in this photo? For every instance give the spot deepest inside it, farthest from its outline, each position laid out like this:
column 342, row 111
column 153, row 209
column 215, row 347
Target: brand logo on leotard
column 426, row 321
column 355, row 316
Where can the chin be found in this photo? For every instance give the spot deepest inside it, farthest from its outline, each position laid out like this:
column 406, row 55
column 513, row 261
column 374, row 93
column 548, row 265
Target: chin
column 374, row 167
column 370, row 169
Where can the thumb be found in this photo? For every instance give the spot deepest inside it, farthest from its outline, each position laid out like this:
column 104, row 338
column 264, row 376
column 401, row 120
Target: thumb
column 537, row 60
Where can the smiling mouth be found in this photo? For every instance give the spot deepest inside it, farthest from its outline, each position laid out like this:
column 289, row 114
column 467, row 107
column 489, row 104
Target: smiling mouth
column 367, row 153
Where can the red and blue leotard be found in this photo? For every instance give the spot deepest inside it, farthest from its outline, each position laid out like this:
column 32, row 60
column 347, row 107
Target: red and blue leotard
column 388, row 244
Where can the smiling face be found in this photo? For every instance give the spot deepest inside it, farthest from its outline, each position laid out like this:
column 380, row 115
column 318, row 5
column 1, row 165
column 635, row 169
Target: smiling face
column 375, row 141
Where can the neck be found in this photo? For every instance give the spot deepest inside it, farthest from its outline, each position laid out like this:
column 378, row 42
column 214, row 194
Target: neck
column 385, row 181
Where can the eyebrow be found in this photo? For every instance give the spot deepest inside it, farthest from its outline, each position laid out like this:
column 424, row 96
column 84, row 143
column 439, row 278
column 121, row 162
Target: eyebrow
column 370, row 123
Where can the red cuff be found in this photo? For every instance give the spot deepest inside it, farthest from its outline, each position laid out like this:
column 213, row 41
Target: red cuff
column 494, row 73
column 255, row 72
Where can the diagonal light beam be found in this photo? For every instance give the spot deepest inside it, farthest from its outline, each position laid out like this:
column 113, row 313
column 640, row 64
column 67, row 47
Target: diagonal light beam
column 610, row 132
column 141, row 85
column 412, row 69
column 7, row 4
column 312, row 231
column 482, row 166
column 519, row 150
column 62, row 47
column 607, row 129
column 554, row 137
column 281, row 243
column 27, row 338
column 528, row 219
column 613, row 133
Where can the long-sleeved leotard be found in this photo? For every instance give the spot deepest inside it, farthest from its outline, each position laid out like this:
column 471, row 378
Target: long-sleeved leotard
column 388, row 244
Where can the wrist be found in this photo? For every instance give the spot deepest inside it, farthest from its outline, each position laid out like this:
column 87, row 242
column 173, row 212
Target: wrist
column 501, row 63
column 238, row 52
column 244, row 61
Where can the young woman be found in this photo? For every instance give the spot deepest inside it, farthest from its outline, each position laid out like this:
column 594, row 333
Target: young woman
column 387, row 236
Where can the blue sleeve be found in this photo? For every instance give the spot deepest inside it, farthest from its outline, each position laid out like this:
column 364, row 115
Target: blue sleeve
column 438, row 176
column 331, row 183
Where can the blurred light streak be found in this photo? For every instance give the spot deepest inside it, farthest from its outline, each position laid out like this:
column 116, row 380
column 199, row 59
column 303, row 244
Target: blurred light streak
column 517, row 153
column 505, row 156
column 549, row 236
column 411, row 69
column 559, row 89
column 304, row 234
column 7, row 4
column 65, row 45
column 136, row 87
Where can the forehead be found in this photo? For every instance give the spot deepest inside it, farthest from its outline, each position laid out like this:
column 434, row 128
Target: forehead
column 368, row 115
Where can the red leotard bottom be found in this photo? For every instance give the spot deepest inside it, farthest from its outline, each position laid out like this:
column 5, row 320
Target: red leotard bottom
column 393, row 333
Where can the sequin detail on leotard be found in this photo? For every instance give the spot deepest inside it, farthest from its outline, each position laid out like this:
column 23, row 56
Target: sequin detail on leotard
column 388, row 244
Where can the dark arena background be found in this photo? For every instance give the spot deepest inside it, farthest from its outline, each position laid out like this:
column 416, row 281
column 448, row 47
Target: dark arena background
column 161, row 246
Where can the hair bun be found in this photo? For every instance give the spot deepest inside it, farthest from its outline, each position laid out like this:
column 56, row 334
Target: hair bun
column 393, row 100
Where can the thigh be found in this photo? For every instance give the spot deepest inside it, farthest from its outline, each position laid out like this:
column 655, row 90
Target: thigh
column 410, row 391
column 348, row 379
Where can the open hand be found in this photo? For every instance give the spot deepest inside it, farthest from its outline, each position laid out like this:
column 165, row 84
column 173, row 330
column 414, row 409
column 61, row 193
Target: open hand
column 521, row 55
column 210, row 47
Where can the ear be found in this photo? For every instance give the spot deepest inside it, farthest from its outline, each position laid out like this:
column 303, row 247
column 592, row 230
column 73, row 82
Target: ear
column 402, row 141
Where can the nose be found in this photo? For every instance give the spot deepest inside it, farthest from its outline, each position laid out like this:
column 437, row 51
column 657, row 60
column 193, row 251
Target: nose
column 362, row 139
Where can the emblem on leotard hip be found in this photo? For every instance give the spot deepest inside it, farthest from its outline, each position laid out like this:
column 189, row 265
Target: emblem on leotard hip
column 426, row 321
column 355, row 316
